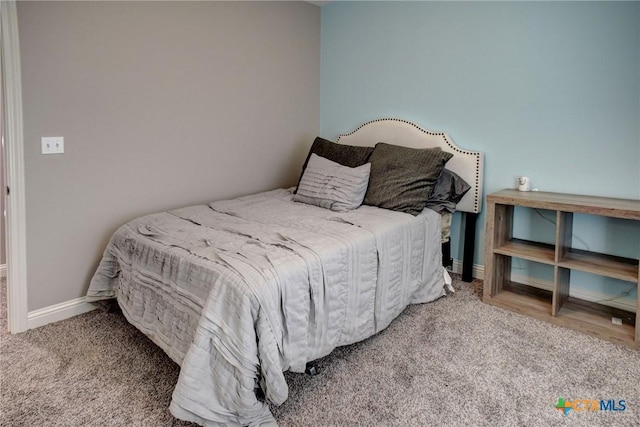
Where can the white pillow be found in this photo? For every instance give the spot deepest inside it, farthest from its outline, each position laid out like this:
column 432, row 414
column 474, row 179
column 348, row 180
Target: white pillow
column 332, row 186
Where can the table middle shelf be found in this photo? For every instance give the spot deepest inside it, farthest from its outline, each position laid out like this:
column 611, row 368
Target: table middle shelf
column 575, row 259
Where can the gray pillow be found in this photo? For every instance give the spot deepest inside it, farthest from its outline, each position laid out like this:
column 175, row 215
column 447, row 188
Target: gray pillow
column 332, row 186
column 402, row 178
column 447, row 192
column 346, row 155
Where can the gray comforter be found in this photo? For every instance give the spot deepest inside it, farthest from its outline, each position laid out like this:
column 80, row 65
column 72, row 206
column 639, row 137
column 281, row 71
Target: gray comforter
column 239, row 291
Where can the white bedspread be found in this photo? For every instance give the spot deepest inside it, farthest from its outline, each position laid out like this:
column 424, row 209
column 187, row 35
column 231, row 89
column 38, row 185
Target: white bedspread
column 239, row 291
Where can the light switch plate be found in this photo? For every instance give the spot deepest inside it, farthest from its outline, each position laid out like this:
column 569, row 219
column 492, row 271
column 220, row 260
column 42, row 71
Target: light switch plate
column 52, row 145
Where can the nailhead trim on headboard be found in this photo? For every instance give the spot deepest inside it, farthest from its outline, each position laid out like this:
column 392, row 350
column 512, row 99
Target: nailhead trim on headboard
column 476, row 187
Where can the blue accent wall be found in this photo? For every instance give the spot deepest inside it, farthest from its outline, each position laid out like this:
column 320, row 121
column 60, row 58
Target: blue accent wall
column 550, row 90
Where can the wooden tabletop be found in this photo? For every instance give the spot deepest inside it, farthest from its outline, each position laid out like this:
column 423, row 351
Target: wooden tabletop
column 594, row 205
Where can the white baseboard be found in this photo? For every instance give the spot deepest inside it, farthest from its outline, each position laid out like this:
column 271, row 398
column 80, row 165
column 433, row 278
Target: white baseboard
column 478, row 273
column 57, row 312
column 3, row 270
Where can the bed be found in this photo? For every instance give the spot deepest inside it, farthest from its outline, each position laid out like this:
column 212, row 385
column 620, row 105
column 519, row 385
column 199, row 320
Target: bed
column 239, row 291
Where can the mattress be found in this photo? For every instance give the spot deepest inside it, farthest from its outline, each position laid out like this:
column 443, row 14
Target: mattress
column 237, row 292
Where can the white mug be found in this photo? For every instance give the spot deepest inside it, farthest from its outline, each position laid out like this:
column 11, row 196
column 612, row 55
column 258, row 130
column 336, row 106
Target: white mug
column 524, row 183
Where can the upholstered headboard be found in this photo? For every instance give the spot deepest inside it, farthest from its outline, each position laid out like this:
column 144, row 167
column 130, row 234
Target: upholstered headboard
column 468, row 164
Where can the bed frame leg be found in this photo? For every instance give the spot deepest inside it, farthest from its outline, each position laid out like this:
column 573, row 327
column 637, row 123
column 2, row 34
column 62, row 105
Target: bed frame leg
column 469, row 245
column 447, row 261
column 311, row 369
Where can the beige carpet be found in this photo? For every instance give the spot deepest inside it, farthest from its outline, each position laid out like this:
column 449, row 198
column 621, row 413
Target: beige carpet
column 452, row 362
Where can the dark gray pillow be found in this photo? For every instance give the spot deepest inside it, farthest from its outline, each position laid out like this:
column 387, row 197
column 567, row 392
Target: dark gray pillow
column 346, row 155
column 447, row 192
column 402, row 178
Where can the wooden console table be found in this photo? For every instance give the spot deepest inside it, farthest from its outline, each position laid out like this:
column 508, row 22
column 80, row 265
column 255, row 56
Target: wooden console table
column 556, row 306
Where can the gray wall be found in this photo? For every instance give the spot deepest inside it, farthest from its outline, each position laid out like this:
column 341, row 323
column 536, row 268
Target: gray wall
column 161, row 105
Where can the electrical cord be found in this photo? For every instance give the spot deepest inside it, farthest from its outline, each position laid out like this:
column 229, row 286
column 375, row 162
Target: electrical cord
column 622, row 295
column 626, row 293
column 554, row 224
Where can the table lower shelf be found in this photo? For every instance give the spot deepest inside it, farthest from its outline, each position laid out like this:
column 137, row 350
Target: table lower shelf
column 580, row 315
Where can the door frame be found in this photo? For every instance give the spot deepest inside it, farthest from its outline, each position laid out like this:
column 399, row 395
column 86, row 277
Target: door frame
column 12, row 132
